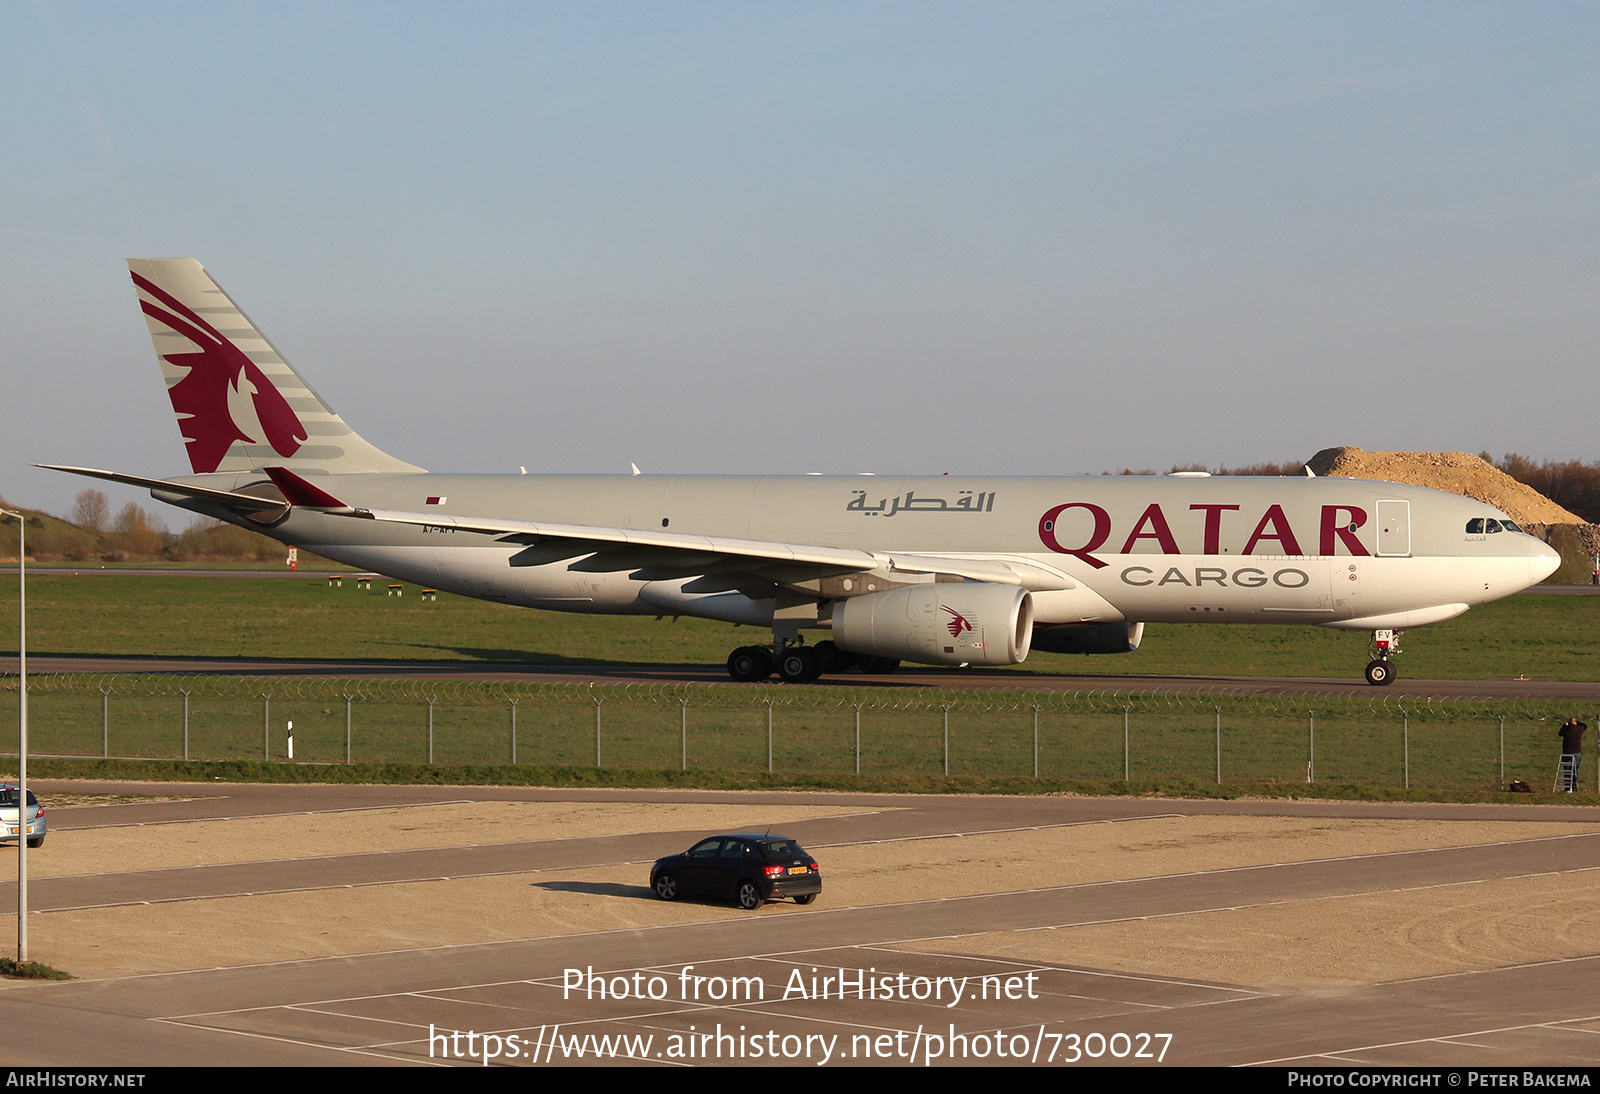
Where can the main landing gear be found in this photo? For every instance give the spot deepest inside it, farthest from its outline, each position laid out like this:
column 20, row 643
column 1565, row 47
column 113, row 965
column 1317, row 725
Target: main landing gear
column 797, row 664
column 1380, row 670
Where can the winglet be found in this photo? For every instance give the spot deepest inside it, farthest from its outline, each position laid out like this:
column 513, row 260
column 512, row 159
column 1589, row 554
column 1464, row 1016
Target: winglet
column 298, row 492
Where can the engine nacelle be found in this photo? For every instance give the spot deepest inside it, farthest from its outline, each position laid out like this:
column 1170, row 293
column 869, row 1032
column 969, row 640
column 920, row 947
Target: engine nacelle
column 946, row 623
column 1089, row 638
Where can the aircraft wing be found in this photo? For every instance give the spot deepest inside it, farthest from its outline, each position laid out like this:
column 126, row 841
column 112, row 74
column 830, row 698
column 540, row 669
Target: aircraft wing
column 721, row 562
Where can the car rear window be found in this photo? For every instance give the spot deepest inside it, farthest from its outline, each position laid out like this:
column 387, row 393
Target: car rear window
column 8, row 796
column 783, row 848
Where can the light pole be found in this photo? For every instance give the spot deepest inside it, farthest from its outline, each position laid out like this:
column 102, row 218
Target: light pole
column 22, row 733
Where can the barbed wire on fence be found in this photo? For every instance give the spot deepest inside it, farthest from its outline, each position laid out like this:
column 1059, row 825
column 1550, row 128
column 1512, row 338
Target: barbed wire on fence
column 392, row 689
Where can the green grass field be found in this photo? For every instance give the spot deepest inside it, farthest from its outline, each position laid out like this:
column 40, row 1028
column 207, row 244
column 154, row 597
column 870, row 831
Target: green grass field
column 1086, row 741
column 1536, row 636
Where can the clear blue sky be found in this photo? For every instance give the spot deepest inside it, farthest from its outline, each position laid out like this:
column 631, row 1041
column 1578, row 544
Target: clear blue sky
column 988, row 238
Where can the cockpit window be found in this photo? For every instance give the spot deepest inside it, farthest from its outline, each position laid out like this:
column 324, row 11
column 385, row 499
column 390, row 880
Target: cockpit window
column 1494, row 526
column 1475, row 526
column 1508, row 526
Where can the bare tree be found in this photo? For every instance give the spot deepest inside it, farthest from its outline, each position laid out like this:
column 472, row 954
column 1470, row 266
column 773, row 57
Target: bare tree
column 139, row 533
column 91, row 511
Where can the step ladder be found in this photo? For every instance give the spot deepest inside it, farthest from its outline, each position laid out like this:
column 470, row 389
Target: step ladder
column 1567, row 773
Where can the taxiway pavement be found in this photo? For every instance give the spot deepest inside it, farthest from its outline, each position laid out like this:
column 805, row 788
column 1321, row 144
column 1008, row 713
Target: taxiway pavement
column 388, row 1005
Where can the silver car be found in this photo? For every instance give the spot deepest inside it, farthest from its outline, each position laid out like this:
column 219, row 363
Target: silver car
column 8, row 817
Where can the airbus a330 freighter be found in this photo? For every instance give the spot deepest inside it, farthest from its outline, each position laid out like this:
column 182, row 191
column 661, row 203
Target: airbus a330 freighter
column 938, row 570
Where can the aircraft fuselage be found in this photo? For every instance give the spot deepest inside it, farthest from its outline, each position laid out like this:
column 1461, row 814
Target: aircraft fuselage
column 1152, row 549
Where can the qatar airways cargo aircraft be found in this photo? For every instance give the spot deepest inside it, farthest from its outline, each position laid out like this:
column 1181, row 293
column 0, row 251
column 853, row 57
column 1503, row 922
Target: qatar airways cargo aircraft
column 938, row 570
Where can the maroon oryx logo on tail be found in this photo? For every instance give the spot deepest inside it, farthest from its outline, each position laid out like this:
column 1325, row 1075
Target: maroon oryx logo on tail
column 957, row 622
column 225, row 397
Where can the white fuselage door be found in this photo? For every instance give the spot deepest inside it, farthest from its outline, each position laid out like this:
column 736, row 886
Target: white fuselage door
column 1394, row 528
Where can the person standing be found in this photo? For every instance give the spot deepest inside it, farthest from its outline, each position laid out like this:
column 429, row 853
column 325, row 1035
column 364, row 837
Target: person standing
column 1571, row 734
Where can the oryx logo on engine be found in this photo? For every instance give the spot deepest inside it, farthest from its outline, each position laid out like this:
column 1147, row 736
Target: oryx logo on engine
column 957, row 622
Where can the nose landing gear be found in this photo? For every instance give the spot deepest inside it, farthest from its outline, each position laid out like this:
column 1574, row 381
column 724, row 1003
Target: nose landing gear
column 1380, row 670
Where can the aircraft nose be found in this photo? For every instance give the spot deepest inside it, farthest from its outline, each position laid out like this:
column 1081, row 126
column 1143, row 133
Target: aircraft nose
column 1542, row 564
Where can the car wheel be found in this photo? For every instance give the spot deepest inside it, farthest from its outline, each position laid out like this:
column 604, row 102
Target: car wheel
column 36, row 842
column 749, row 896
column 805, row 898
column 666, row 887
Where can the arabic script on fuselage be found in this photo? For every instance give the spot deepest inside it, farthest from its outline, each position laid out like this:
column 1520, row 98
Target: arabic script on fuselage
column 966, row 502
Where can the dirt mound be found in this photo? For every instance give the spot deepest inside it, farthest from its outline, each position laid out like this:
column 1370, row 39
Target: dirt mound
column 1456, row 472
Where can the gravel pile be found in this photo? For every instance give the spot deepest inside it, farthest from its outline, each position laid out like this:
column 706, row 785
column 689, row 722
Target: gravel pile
column 1456, row 472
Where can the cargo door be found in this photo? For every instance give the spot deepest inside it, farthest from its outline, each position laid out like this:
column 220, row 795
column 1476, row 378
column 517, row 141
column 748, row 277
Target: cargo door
column 1297, row 586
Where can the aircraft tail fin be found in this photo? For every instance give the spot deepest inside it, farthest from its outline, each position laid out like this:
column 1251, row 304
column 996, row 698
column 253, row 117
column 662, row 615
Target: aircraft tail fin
column 240, row 405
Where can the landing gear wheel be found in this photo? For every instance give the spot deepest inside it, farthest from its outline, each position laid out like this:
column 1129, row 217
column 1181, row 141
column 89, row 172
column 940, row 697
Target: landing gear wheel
column 1380, row 672
column 749, row 663
column 799, row 666
column 749, row 896
column 830, row 658
column 667, row 887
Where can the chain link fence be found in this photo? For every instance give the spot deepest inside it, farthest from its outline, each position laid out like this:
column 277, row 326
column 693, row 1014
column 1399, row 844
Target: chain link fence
column 1095, row 735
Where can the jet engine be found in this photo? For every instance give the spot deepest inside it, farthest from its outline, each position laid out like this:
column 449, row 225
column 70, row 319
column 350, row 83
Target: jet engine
column 1088, row 637
column 945, row 623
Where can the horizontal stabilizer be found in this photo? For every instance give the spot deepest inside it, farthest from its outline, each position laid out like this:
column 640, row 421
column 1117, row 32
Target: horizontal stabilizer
column 248, row 503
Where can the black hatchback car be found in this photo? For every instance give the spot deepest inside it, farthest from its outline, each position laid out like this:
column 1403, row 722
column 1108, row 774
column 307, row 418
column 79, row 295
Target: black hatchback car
column 747, row 868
